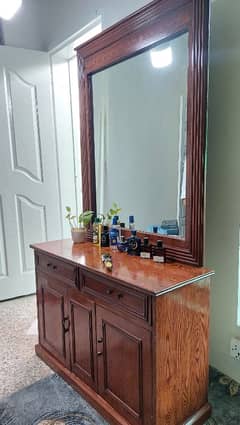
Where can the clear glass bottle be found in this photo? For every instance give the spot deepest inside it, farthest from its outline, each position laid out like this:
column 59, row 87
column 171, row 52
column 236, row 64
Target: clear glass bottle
column 131, row 222
column 96, row 231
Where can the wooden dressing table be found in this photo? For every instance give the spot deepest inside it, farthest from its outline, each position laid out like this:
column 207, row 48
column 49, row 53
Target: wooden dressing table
column 134, row 341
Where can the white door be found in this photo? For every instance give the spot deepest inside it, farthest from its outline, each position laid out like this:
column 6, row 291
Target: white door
column 29, row 198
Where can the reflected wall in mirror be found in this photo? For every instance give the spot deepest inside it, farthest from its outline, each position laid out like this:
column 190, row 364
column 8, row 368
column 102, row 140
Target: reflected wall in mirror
column 140, row 113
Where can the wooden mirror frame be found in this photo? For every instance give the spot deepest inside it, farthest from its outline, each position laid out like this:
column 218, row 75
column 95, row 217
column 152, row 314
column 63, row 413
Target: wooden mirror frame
column 159, row 20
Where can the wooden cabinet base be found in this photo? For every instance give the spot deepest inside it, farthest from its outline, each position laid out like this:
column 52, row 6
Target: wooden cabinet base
column 104, row 408
column 87, row 392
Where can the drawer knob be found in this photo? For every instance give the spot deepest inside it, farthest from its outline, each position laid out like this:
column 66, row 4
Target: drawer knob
column 109, row 291
column 54, row 267
column 99, row 353
column 100, row 340
column 120, row 296
column 49, row 264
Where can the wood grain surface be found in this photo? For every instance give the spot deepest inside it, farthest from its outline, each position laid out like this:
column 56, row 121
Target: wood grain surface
column 182, row 326
column 143, row 274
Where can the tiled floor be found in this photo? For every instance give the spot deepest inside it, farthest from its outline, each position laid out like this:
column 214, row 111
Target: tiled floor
column 19, row 366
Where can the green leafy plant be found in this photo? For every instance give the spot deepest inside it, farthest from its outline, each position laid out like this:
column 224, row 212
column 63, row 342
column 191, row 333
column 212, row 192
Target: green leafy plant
column 114, row 210
column 80, row 222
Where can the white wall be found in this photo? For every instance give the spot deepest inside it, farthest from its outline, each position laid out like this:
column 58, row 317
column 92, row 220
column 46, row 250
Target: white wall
column 26, row 28
column 64, row 17
column 43, row 24
column 223, row 178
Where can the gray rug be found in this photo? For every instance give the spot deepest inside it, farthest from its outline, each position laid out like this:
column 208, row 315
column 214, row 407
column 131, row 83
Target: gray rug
column 51, row 401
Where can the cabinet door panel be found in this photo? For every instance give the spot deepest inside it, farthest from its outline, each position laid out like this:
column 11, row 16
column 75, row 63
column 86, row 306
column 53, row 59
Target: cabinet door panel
column 82, row 337
column 51, row 316
column 125, row 372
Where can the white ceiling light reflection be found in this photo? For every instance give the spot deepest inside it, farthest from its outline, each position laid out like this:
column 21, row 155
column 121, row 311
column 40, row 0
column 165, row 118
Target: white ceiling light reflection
column 8, row 8
column 161, row 58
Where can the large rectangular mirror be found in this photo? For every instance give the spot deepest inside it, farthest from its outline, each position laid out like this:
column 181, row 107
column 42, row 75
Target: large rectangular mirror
column 140, row 122
column 143, row 89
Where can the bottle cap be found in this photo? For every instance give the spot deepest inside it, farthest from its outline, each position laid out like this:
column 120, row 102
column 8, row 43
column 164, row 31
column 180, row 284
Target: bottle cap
column 133, row 232
column 155, row 229
column 131, row 219
column 114, row 220
column 105, row 228
column 145, row 241
column 117, row 217
column 122, row 225
column 159, row 244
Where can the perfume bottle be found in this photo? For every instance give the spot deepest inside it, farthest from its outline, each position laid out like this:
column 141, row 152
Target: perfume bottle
column 131, row 223
column 114, row 233
column 134, row 244
column 122, row 244
column 146, row 249
column 158, row 252
column 96, row 230
column 105, row 236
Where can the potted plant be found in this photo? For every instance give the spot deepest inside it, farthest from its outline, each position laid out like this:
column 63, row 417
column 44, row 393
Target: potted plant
column 79, row 224
column 114, row 210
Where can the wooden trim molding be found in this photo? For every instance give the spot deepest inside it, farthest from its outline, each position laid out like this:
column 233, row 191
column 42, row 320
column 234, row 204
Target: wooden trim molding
column 159, row 20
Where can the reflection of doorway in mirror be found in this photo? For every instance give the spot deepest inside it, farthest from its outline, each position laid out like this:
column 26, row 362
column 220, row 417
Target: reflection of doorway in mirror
column 181, row 211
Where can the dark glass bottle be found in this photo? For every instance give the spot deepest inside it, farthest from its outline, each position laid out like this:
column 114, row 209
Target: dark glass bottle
column 134, row 244
column 146, row 249
column 105, row 236
column 158, row 252
column 122, row 244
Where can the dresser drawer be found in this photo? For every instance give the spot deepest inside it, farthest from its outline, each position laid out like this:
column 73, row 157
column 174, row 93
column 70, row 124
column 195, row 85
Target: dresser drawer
column 58, row 268
column 126, row 299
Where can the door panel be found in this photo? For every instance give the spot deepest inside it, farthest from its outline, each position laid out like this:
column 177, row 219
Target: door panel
column 125, row 366
column 29, row 198
column 52, row 319
column 82, row 337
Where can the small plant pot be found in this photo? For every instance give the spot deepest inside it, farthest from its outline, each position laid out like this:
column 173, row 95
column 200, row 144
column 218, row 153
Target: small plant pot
column 78, row 235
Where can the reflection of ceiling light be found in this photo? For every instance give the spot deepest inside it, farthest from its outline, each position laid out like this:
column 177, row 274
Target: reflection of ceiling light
column 161, row 58
column 8, row 8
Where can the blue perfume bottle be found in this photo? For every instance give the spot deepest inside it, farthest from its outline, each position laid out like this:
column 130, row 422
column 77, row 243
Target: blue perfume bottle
column 134, row 244
column 131, row 223
column 122, row 244
column 114, row 233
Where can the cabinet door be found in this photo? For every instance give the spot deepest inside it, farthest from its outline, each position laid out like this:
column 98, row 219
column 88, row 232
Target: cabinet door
column 125, row 366
column 82, row 337
column 53, row 323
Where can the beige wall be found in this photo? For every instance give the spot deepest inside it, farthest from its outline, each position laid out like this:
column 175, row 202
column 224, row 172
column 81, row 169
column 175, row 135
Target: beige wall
column 223, row 179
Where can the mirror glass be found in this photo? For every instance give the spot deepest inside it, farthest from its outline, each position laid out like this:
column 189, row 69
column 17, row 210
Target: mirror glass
column 140, row 125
